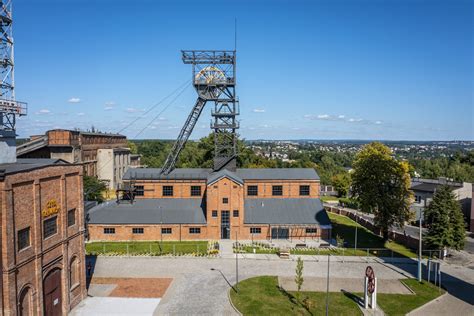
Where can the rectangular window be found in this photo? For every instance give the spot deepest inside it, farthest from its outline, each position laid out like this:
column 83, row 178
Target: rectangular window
column 71, row 217
column 252, row 190
column 139, row 190
column 137, row 230
column 235, row 213
column 255, row 230
column 109, row 230
column 225, row 200
column 167, row 190
column 214, row 213
column 304, row 190
column 195, row 190
column 311, row 230
column 277, row 190
column 194, row 230
column 166, row 230
column 50, row 227
column 23, row 238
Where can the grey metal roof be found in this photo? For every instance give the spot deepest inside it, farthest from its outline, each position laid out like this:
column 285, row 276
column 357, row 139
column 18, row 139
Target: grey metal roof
column 278, row 174
column 178, row 174
column 203, row 174
column 25, row 164
column 285, row 211
column 216, row 176
column 150, row 211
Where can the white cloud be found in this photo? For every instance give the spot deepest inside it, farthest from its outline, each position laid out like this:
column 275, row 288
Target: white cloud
column 259, row 110
column 109, row 106
column 340, row 118
column 43, row 111
column 74, row 100
column 81, row 114
column 133, row 110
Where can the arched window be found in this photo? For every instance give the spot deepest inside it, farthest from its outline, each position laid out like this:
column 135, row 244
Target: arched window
column 25, row 304
column 74, row 273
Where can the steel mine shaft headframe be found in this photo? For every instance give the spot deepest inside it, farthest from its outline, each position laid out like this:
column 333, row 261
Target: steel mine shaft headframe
column 213, row 76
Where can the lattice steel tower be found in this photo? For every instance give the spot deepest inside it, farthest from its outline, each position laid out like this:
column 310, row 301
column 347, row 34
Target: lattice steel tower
column 9, row 107
column 213, row 78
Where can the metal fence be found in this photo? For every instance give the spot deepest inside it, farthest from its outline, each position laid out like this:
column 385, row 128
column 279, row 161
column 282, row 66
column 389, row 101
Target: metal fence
column 147, row 248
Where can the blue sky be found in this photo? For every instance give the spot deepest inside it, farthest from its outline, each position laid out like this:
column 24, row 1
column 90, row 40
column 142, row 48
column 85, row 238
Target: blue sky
column 306, row 69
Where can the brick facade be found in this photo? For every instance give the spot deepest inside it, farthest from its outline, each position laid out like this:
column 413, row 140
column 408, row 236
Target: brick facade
column 27, row 199
column 224, row 194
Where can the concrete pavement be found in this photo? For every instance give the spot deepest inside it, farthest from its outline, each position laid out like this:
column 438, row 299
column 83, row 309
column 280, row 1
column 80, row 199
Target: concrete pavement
column 198, row 290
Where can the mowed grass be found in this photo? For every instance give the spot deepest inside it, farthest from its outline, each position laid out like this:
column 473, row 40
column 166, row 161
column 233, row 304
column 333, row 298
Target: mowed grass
column 262, row 296
column 147, row 247
column 345, row 228
column 398, row 304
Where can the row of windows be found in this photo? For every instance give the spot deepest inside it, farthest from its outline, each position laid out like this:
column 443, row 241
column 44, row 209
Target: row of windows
column 252, row 190
column 50, row 228
column 277, row 190
column 141, row 230
column 167, row 190
column 195, row 230
column 235, row 213
column 258, row 230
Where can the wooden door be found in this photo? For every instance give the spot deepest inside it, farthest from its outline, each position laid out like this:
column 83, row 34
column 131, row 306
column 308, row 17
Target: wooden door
column 52, row 294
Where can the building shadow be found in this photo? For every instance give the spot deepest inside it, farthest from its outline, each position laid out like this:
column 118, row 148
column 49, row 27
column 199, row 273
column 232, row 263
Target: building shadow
column 90, row 267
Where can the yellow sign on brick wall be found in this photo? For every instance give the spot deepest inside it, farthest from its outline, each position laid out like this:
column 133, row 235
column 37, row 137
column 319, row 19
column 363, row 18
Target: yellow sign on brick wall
column 52, row 207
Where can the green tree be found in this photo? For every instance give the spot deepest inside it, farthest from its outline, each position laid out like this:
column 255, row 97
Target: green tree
column 93, row 189
column 381, row 185
column 299, row 275
column 342, row 183
column 445, row 222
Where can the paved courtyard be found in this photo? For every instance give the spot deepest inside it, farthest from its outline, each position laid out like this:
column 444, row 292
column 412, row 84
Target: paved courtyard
column 198, row 290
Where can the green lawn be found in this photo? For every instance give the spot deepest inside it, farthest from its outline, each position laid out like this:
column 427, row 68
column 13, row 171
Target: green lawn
column 329, row 198
column 147, row 247
column 345, row 228
column 262, row 296
column 398, row 304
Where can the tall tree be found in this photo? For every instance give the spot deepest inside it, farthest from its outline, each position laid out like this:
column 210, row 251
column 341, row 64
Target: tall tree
column 381, row 184
column 93, row 189
column 445, row 222
column 342, row 183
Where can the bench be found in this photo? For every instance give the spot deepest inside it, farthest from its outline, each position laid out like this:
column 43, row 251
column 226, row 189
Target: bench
column 284, row 254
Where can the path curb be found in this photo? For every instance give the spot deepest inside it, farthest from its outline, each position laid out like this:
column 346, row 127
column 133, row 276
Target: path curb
column 426, row 304
column 232, row 304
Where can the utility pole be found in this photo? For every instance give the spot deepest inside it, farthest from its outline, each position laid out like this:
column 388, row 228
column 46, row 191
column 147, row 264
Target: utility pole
column 419, row 248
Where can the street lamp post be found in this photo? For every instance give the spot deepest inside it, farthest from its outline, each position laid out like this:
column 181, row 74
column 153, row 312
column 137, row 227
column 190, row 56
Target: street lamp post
column 327, row 288
column 355, row 242
column 236, row 263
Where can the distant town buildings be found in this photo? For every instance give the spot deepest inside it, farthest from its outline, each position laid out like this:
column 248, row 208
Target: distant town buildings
column 105, row 156
column 42, row 237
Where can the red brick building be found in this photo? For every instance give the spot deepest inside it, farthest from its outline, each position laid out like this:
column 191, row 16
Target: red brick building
column 192, row 204
column 42, row 228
